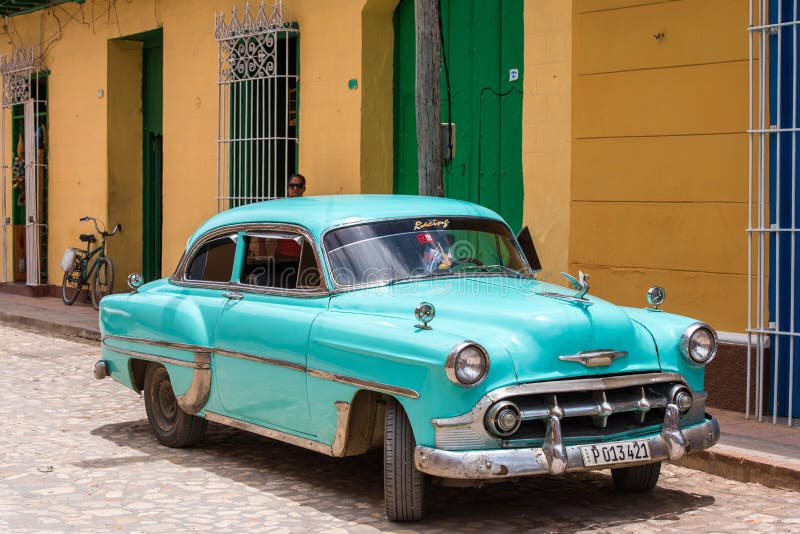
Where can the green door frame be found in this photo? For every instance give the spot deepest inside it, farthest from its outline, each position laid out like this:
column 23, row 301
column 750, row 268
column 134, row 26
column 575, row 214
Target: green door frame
column 152, row 152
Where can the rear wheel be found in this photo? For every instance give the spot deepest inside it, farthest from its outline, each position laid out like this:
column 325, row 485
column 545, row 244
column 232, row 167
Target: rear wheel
column 172, row 426
column 403, row 483
column 639, row 478
column 71, row 285
column 103, row 281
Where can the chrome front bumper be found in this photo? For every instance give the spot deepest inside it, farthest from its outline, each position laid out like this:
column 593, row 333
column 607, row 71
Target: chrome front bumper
column 555, row 458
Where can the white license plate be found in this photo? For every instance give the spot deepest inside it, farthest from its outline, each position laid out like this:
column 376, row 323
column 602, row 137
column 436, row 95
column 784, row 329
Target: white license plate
column 615, row 453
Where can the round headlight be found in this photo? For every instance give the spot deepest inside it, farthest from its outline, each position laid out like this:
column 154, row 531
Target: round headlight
column 699, row 344
column 468, row 364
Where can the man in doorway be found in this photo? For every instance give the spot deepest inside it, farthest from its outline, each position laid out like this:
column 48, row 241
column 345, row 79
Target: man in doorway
column 296, row 186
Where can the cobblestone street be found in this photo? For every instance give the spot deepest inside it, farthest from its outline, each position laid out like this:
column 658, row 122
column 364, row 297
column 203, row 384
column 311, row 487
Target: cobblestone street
column 77, row 455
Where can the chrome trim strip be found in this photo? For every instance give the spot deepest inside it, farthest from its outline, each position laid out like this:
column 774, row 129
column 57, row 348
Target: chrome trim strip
column 342, row 428
column 260, row 359
column 151, row 357
column 193, row 400
column 595, row 358
column 366, row 384
column 270, row 433
column 156, row 343
column 510, row 463
column 585, row 384
column 572, row 299
column 197, row 395
column 199, row 348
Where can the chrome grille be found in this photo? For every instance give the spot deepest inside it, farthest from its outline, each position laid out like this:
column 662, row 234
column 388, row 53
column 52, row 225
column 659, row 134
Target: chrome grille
column 589, row 410
column 594, row 414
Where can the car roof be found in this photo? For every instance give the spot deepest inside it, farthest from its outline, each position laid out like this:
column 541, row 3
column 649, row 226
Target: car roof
column 319, row 213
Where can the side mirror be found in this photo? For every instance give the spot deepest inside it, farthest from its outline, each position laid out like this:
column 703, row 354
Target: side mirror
column 135, row 281
column 526, row 242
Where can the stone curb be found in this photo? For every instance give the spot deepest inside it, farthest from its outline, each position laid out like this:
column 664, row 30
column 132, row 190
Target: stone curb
column 745, row 465
column 49, row 327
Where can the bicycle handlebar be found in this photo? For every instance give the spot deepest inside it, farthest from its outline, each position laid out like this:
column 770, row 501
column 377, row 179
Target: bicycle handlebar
column 117, row 227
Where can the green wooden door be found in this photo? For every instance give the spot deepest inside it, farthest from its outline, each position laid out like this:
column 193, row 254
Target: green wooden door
column 152, row 143
column 483, row 44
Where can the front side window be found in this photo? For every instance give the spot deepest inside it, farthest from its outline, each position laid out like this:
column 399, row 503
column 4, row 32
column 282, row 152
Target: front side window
column 213, row 261
column 402, row 249
column 279, row 261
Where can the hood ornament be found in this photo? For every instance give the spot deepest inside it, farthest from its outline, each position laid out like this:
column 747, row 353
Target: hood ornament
column 581, row 283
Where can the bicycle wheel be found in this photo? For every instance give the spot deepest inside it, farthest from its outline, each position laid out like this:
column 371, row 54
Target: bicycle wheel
column 71, row 285
column 103, row 281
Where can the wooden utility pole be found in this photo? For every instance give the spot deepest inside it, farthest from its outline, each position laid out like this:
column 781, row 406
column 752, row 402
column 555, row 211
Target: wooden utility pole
column 429, row 64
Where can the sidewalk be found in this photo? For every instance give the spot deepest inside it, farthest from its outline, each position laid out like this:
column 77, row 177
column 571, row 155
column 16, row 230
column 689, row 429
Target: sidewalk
column 748, row 451
column 51, row 315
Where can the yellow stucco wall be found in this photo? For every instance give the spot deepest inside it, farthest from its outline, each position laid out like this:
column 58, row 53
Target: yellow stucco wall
column 546, row 130
column 80, row 127
column 659, row 181
column 345, row 133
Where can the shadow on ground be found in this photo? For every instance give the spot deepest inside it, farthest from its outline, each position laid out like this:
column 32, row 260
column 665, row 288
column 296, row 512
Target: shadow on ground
column 351, row 489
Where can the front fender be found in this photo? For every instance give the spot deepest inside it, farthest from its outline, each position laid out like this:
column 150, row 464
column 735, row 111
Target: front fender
column 666, row 329
column 392, row 356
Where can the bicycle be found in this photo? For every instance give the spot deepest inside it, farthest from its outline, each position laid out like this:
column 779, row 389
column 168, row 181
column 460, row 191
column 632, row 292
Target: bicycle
column 79, row 267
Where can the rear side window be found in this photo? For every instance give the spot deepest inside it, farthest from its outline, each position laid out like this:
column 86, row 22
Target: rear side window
column 213, row 262
column 279, row 261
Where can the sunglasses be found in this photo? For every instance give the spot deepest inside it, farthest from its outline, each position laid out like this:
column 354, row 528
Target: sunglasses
column 292, row 186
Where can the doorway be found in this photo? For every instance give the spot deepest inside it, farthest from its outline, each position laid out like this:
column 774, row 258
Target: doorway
column 152, row 152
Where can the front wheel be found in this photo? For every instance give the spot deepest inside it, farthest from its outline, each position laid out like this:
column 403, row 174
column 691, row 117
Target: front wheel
column 639, row 478
column 172, row 426
column 103, row 281
column 71, row 285
column 403, row 483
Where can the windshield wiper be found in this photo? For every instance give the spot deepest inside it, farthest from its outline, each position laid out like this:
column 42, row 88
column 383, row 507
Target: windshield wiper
column 488, row 269
column 417, row 277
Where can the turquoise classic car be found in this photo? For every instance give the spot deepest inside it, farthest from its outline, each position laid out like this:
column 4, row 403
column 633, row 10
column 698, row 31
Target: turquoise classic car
column 417, row 324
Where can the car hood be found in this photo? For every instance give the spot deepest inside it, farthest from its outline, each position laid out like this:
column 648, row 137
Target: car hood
column 534, row 329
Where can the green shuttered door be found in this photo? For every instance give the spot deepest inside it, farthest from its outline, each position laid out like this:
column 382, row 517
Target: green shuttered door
column 483, row 43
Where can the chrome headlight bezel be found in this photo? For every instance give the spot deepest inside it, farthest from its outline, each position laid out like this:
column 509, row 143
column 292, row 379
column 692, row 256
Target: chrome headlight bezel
column 686, row 338
column 450, row 364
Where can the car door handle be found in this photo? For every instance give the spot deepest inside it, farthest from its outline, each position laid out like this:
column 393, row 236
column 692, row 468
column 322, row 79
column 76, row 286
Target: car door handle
column 233, row 295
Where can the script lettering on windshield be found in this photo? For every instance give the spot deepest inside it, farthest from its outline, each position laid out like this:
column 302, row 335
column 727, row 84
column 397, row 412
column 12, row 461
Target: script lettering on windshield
column 433, row 223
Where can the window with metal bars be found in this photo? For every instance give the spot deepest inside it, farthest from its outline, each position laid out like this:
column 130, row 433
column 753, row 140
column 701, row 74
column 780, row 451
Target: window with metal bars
column 258, row 89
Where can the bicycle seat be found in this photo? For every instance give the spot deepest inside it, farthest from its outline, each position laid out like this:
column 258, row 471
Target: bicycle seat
column 88, row 238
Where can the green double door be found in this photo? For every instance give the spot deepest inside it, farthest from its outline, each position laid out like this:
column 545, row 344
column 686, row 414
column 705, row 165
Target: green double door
column 483, row 45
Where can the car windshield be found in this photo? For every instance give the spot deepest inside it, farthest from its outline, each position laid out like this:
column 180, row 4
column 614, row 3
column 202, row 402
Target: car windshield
column 404, row 249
